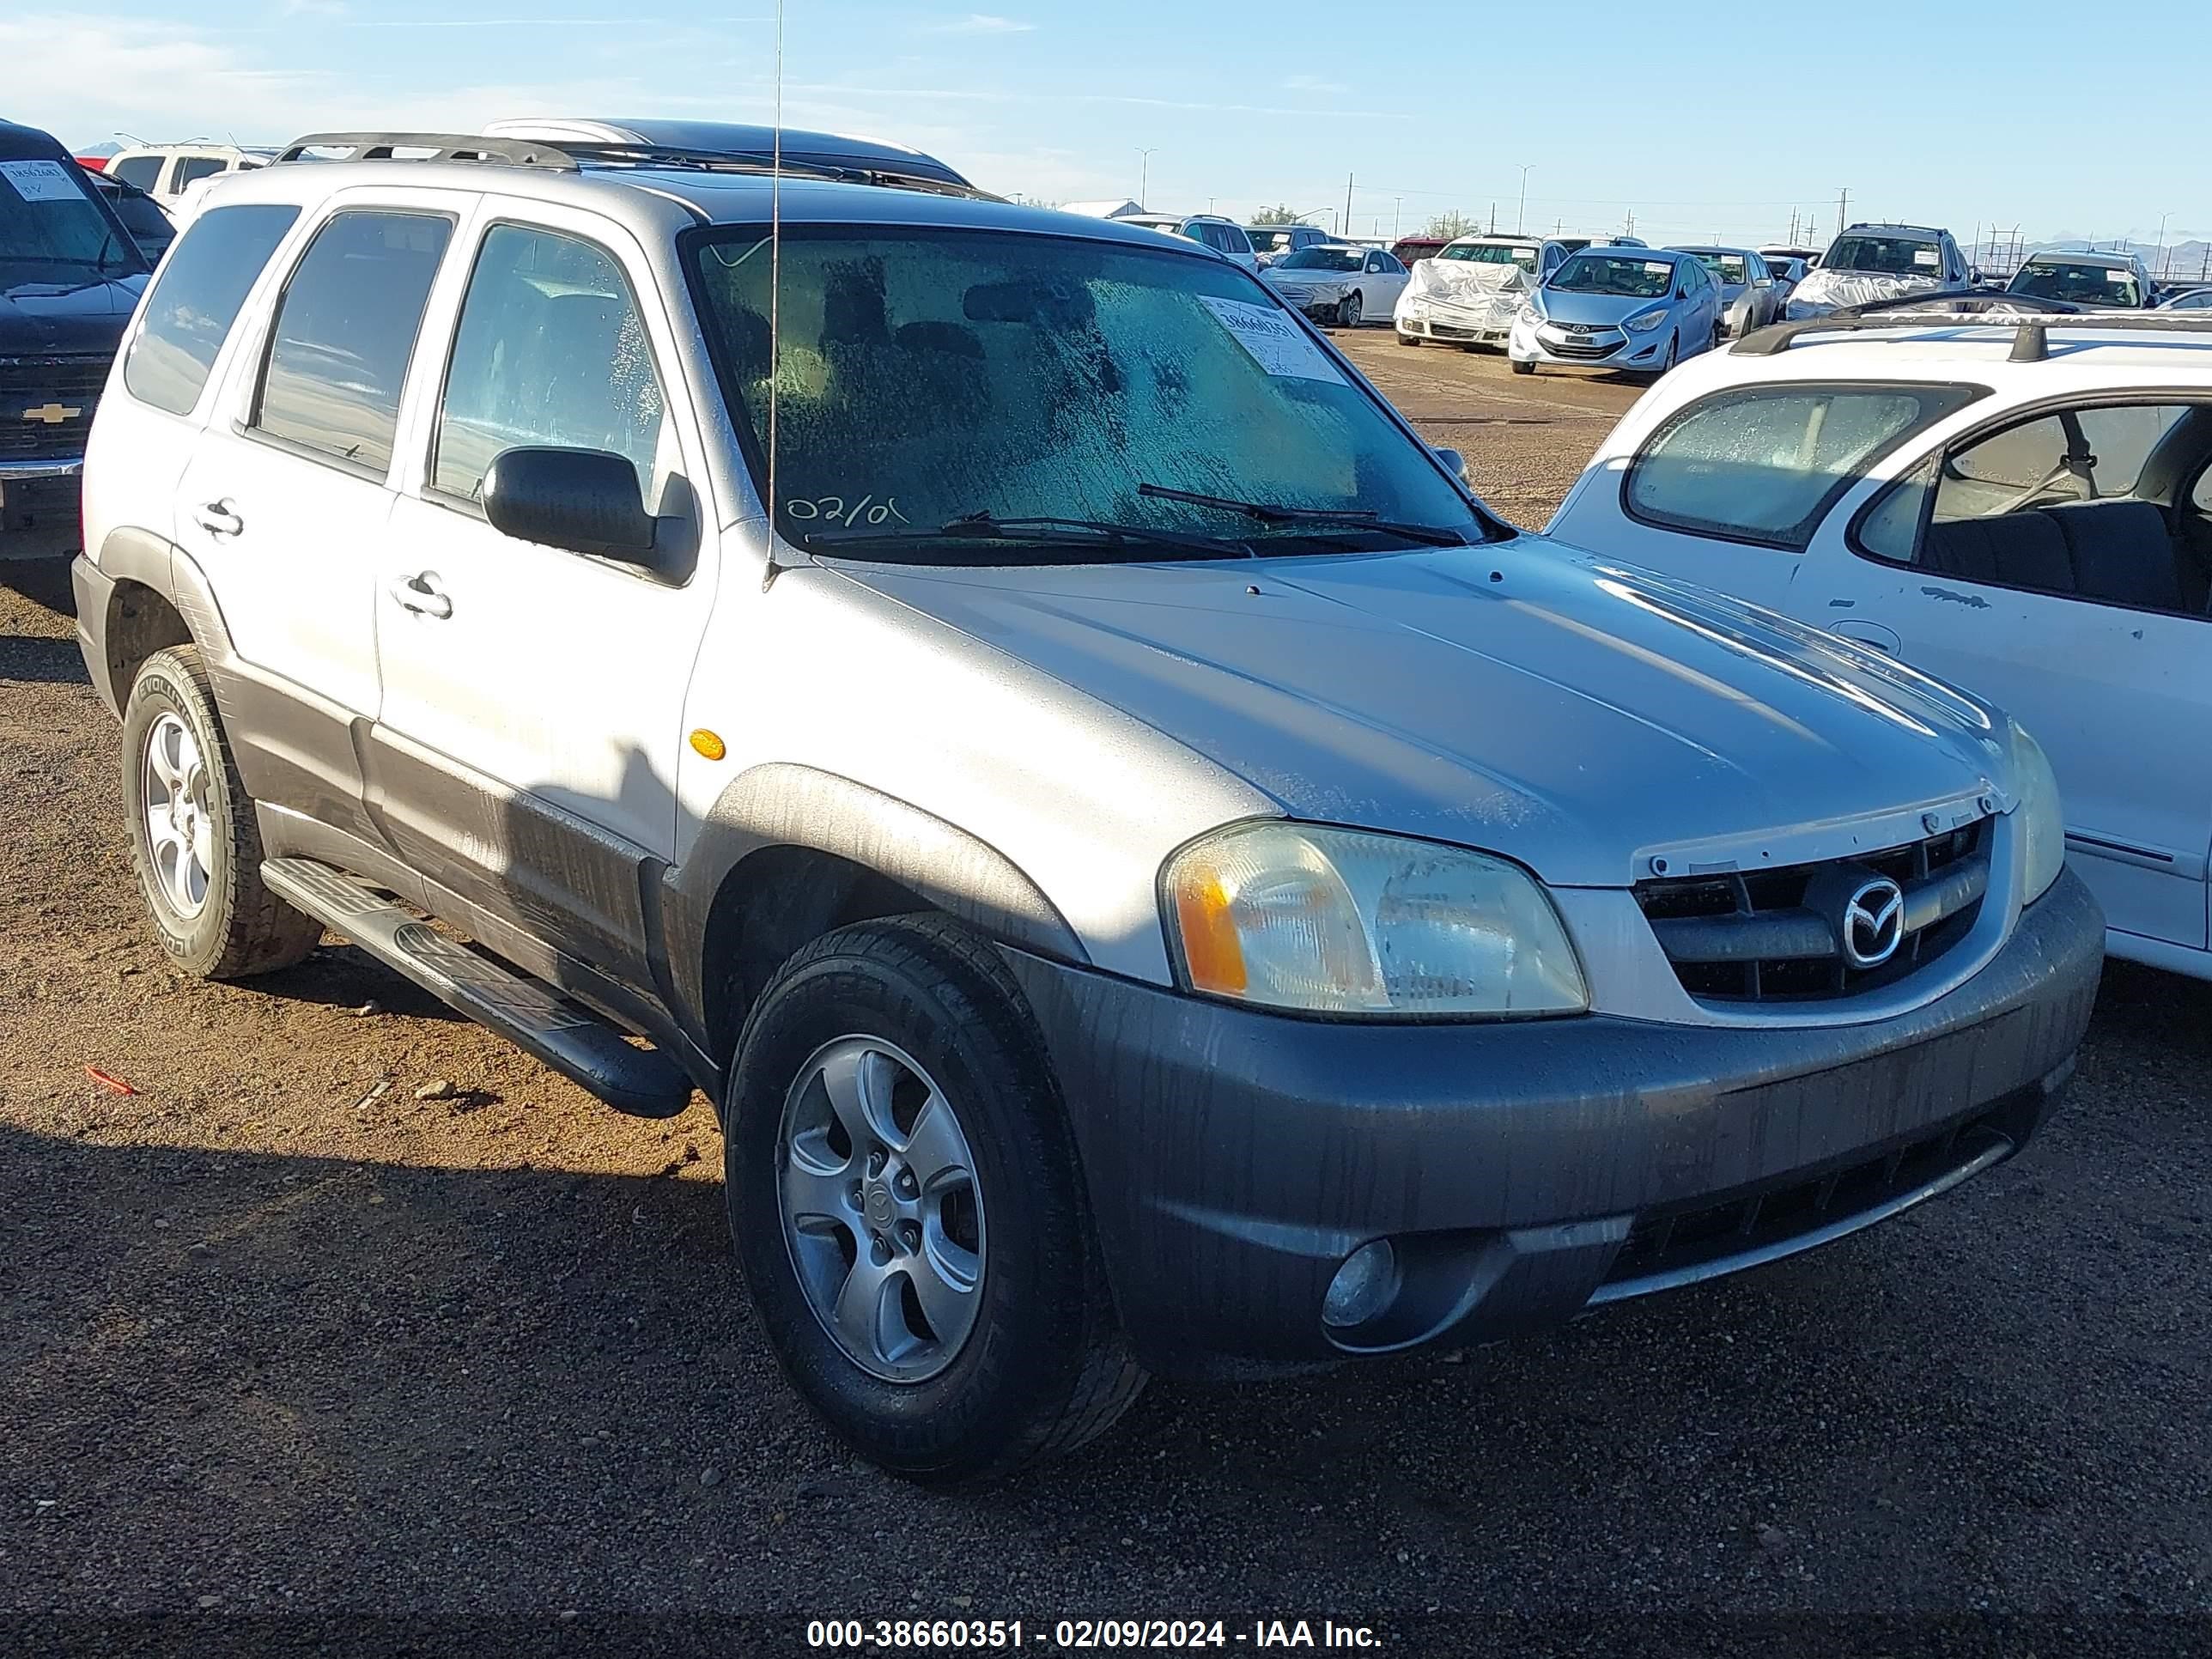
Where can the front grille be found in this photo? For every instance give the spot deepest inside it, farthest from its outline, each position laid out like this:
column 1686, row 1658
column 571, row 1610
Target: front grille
column 1453, row 332
column 1699, row 1240
column 1775, row 935
column 47, row 384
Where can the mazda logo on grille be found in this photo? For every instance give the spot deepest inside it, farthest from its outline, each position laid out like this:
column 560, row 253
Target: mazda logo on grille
column 1874, row 922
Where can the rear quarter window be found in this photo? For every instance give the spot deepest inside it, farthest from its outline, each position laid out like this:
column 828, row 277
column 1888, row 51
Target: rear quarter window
column 1764, row 464
column 195, row 301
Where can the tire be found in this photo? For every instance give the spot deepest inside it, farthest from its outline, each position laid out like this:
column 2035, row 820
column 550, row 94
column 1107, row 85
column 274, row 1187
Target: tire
column 1524, row 368
column 1350, row 309
column 1041, row 1367
column 1409, row 339
column 237, row 927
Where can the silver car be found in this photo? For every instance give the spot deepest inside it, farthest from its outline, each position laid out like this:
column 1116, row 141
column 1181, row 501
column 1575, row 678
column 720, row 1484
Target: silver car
column 1155, row 877
column 1750, row 296
column 1619, row 307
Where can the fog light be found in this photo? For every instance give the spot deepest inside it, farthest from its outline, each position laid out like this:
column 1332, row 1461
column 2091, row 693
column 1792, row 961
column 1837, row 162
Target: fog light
column 1363, row 1286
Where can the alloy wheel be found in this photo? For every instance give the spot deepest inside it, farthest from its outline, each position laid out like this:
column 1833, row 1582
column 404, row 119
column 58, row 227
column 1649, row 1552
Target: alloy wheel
column 180, row 825
column 881, row 1207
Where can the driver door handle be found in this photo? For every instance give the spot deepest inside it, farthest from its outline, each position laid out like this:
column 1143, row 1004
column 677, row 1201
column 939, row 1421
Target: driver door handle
column 219, row 518
column 422, row 594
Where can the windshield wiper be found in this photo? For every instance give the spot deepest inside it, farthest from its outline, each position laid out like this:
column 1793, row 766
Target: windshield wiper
column 1272, row 513
column 1086, row 533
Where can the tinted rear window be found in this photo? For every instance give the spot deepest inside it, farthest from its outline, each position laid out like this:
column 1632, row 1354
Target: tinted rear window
column 344, row 332
column 195, row 301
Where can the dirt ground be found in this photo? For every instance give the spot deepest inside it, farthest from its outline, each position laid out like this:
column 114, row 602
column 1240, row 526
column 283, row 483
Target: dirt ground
column 279, row 1336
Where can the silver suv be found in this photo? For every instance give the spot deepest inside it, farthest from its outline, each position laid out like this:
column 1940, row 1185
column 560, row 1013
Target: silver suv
column 1153, row 875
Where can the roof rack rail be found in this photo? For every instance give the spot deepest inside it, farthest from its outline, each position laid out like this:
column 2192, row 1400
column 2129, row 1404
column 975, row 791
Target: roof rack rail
column 569, row 156
column 2031, row 342
column 435, row 146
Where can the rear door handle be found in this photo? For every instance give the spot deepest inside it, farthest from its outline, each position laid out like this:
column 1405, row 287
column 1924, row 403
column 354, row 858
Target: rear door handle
column 422, row 595
column 1866, row 633
column 219, row 518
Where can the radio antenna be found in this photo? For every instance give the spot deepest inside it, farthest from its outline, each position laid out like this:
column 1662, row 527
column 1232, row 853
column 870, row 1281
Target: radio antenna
column 774, row 293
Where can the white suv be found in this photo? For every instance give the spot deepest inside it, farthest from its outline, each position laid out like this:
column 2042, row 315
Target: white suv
column 2023, row 508
column 1154, row 876
column 166, row 172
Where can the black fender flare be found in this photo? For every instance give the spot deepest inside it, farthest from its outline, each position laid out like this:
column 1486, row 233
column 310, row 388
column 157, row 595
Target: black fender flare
column 782, row 804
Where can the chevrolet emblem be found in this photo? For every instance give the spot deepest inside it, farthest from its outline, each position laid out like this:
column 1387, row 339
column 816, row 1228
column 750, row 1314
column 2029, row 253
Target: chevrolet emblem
column 52, row 414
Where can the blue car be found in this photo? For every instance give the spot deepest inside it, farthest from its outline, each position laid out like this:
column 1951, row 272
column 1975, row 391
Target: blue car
column 1640, row 309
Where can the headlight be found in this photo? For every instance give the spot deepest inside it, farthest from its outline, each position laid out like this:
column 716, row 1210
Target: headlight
column 1339, row 921
column 1644, row 321
column 1529, row 313
column 2039, row 824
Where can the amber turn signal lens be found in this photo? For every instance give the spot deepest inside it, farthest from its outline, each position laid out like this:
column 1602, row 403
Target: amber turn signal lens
column 709, row 744
column 1211, row 951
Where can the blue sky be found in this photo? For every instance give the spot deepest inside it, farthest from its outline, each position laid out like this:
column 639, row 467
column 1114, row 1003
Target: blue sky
column 1955, row 115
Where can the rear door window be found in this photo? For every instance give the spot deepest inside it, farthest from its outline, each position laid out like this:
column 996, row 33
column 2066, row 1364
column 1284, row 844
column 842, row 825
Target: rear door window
column 139, row 170
column 344, row 332
column 1764, row 464
column 195, row 300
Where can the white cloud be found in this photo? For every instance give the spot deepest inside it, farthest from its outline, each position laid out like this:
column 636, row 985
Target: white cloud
column 978, row 22
column 1311, row 83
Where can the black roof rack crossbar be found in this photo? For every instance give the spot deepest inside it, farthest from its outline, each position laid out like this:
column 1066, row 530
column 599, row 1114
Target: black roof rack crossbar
column 432, row 147
column 2031, row 341
column 570, row 157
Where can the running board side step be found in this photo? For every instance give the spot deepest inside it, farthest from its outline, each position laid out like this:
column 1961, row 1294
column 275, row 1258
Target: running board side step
column 527, row 1012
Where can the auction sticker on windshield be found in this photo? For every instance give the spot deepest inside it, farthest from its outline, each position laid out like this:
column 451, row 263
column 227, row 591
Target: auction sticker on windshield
column 40, row 181
column 1276, row 343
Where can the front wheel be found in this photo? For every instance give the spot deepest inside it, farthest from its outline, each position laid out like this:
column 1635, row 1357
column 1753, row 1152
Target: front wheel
column 195, row 845
column 1523, row 368
column 904, row 1197
column 1349, row 310
column 1409, row 339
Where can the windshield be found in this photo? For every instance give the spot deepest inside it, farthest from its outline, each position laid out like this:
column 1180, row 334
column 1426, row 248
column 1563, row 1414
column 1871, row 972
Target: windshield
column 1323, row 258
column 926, row 375
column 1604, row 273
column 1268, row 241
column 1726, row 267
column 2090, row 285
column 52, row 231
column 1886, row 256
column 1493, row 253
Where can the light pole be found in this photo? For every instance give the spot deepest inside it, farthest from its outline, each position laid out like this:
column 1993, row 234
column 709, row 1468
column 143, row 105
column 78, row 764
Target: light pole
column 2162, row 218
column 1144, row 172
column 1521, row 218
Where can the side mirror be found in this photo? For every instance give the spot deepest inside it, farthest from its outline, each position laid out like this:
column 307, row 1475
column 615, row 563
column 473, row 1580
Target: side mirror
column 582, row 501
column 1455, row 463
column 1682, row 293
column 1974, row 276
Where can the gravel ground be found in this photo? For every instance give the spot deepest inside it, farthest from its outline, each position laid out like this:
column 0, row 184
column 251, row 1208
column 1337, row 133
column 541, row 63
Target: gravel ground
column 278, row 1336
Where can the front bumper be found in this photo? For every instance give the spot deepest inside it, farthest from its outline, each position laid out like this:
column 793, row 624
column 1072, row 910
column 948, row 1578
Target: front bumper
column 1322, row 308
column 1604, row 347
column 1524, row 1171
column 40, row 508
column 1452, row 327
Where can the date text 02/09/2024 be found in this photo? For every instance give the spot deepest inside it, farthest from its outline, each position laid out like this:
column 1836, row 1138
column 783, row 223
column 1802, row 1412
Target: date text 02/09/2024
column 838, row 1635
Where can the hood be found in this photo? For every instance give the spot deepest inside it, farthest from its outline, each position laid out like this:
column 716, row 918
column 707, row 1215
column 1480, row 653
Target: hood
column 1832, row 289
column 1604, row 310
column 1463, row 282
column 65, row 319
column 1523, row 698
column 1276, row 276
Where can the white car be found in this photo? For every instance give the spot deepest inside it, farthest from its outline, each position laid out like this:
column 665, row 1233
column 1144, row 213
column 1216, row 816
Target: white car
column 1224, row 236
column 1338, row 284
column 2038, row 531
column 1468, row 292
column 1869, row 263
column 166, row 171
